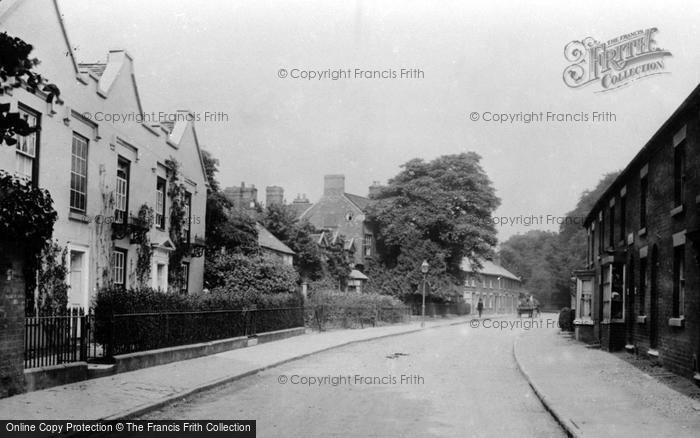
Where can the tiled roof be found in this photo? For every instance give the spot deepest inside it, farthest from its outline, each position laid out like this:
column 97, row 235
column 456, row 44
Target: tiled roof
column 267, row 240
column 360, row 201
column 489, row 268
column 96, row 68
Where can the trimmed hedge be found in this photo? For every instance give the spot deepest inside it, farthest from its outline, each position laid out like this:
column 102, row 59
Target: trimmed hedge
column 349, row 310
column 130, row 320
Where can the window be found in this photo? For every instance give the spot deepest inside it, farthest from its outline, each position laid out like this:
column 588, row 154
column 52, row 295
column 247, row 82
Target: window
column 185, row 277
column 642, row 284
column 611, row 233
column 119, row 267
column 679, row 173
column 78, row 173
column 367, row 245
column 613, row 291
column 623, row 217
column 586, row 299
column 122, row 192
column 160, row 203
column 643, row 194
column 188, row 216
column 27, row 148
column 678, row 280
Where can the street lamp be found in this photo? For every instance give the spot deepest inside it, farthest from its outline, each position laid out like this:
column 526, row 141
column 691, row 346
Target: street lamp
column 424, row 269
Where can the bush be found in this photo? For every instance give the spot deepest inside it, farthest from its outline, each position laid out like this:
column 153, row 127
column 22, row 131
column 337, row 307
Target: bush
column 129, row 320
column 249, row 275
column 347, row 310
column 566, row 319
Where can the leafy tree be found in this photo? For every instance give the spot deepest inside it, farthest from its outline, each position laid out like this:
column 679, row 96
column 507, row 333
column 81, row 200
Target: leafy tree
column 438, row 211
column 211, row 168
column 545, row 260
column 16, row 71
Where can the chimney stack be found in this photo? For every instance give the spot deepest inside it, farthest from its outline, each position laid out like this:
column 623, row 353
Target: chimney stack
column 374, row 188
column 274, row 195
column 333, row 185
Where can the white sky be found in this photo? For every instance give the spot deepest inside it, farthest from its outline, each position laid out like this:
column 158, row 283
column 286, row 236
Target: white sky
column 224, row 55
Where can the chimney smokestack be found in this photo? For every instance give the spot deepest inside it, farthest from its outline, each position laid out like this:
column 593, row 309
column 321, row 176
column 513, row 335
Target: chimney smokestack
column 334, row 185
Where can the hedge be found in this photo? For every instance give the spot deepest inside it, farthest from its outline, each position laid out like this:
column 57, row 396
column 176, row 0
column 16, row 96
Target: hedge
column 130, row 320
column 348, row 310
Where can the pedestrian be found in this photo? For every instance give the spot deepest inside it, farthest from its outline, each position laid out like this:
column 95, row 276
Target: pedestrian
column 480, row 307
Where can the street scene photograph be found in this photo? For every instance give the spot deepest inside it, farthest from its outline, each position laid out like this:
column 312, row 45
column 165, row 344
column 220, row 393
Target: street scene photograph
column 349, row 218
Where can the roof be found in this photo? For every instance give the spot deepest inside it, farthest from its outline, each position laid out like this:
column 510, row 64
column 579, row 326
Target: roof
column 489, row 268
column 647, row 150
column 95, row 68
column 267, row 240
column 357, row 275
column 360, row 201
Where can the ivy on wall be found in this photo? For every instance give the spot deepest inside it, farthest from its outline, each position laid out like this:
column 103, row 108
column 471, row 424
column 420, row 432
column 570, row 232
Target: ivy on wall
column 103, row 233
column 176, row 193
column 27, row 218
column 144, row 250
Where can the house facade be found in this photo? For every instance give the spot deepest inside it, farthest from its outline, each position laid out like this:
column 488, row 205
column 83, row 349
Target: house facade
column 273, row 247
column 638, row 289
column 343, row 213
column 106, row 162
column 498, row 288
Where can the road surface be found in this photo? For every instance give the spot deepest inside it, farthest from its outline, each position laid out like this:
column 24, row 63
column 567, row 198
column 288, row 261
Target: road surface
column 455, row 381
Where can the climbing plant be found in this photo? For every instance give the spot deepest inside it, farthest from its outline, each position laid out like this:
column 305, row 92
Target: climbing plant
column 176, row 193
column 103, row 243
column 52, row 288
column 27, row 218
column 144, row 250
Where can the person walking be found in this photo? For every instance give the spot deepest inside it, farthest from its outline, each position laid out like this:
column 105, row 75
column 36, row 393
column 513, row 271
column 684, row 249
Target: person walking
column 480, row 307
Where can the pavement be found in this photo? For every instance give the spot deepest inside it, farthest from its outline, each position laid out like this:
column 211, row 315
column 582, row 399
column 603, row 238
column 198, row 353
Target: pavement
column 134, row 393
column 593, row 393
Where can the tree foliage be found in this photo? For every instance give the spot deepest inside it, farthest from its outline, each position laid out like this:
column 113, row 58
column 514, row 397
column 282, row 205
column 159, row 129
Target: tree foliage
column 437, row 211
column 16, row 70
column 546, row 260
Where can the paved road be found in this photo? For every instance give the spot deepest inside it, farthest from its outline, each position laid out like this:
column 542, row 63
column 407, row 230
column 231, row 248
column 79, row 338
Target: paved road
column 457, row 382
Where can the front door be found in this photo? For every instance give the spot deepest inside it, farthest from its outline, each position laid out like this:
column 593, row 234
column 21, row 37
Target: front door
column 75, row 292
column 630, row 316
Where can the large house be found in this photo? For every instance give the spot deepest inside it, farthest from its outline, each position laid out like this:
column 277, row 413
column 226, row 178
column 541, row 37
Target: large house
column 638, row 288
column 498, row 288
column 343, row 213
column 104, row 173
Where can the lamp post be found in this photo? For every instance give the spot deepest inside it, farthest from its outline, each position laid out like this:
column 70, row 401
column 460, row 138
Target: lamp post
column 424, row 269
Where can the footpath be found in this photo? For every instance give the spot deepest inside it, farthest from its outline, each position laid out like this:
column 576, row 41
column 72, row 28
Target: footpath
column 134, row 393
column 592, row 393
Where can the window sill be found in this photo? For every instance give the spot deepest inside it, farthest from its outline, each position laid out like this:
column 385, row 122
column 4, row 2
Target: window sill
column 642, row 232
column 677, row 210
column 78, row 217
column 641, row 319
column 676, row 322
column 583, row 322
column 652, row 352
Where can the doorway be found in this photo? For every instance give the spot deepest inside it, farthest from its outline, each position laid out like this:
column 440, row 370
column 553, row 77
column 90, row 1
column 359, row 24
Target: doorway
column 654, row 300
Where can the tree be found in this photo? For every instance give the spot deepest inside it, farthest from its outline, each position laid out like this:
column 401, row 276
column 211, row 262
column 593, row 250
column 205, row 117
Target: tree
column 438, row 211
column 545, row 260
column 16, row 71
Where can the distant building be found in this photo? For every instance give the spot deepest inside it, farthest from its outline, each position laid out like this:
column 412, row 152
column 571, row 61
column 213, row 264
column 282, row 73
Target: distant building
column 271, row 245
column 243, row 198
column 274, row 195
column 344, row 213
column 639, row 286
column 498, row 288
column 300, row 204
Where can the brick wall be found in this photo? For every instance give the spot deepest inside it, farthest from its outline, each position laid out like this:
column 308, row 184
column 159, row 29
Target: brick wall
column 11, row 322
column 676, row 346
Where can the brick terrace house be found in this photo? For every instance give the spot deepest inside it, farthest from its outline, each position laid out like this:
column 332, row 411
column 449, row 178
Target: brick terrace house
column 498, row 288
column 344, row 213
column 100, row 172
column 639, row 288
